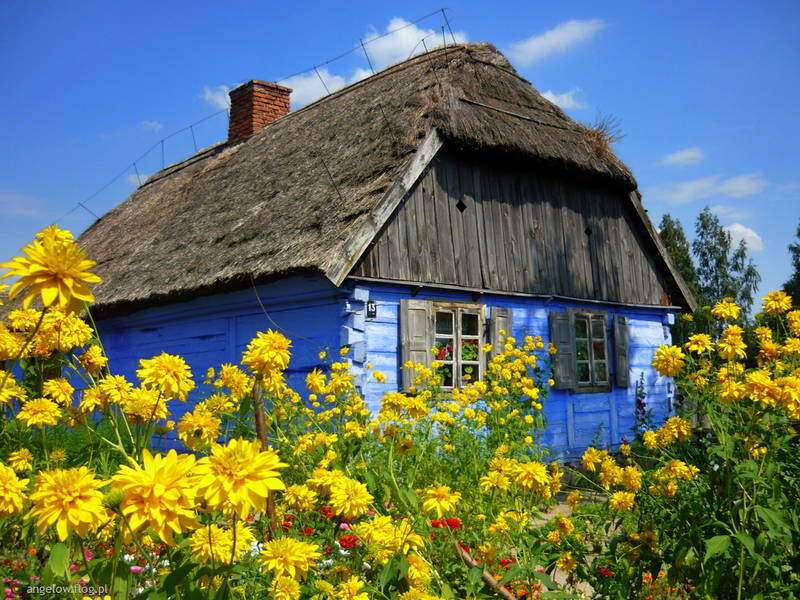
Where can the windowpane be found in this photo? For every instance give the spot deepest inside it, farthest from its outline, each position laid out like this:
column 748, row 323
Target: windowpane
column 582, row 350
column 446, row 372
column 600, row 375
column 599, row 349
column 598, row 328
column 581, row 327
column 469, row 324
column 469, row 373
column 444, row 323
column 444, row 349
column 583, row 373
column 469, row 350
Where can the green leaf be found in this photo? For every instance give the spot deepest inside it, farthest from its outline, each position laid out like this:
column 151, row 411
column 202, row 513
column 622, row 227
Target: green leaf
column 59, row 559
column 388, row 574
column 544, row 578
column 177, row 577
column 774, row 521
column 475, row 574
column 746, row 541
column 447, row 592
column 511, row 574
column 718, row 544
column 410, row 497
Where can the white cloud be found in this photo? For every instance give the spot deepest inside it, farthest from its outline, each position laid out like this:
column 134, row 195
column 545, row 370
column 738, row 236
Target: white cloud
column 567, row 100
column 217, row 96
column 687, row 156
column 14, row 204
column 555, row 41
column 151, row 125
column 789, row 187
column 684, row 192
column 404, row 39
column 307, row 87
column 740, row 232
column 730, row 213
column 137, row 180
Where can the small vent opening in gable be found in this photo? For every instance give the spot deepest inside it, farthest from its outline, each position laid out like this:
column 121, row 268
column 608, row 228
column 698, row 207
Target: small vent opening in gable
column 461, row 206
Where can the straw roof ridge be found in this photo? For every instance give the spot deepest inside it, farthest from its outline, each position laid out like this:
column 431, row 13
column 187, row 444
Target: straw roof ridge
column 290, row 198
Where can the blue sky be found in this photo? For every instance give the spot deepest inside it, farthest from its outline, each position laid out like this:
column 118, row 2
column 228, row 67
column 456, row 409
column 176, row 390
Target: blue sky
column 706, row 93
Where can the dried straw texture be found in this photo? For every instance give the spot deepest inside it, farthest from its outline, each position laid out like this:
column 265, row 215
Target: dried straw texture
column 268, row 206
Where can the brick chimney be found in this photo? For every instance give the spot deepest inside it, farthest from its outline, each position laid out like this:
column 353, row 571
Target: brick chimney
column 254, row 105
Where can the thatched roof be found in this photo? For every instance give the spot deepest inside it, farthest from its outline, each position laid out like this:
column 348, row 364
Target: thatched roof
column 289, row 198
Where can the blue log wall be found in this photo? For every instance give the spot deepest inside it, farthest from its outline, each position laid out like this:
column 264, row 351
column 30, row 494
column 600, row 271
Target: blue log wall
column 574, row 420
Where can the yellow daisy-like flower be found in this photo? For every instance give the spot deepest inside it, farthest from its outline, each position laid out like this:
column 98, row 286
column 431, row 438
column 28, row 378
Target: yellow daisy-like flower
column 239, row 476
column 533, row 476
column 350, row 498
column 211, row 544
column 236, row 380
column 439, row 500
column 566, row 562
column 699, row 343
column 494, row 480
column 58, row 456
column 21, row 460
column 143, row 405
column 39, row 411
column 776, row 303
column 115, row 388
column 167, row 373
column 92, row 360
column 12, row 491
column 288, row 556
column 419, row 572
column 351, row 590
column 285, row 588
column 592, row 457
column 726, row 310
column 58, row 390
column 56, row 270
column 198, row 428
column 267, row 352
column 668, row 360
column 71, row 500
column 621, row 501
column 160, row 494
column 300, row 498
column 573, row 498
column 54, row 233
column 632, row 479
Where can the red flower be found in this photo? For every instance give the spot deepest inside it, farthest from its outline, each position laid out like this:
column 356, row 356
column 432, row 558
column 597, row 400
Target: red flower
column 454, row 523
column 465, row 548
column 348, row 541
column 306, row 531
column 438, row 523
column 507, row 561
column 327, row 512
column 606, row 572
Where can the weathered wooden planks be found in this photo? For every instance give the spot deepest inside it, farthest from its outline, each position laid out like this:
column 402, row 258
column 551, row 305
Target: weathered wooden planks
column 478, row 226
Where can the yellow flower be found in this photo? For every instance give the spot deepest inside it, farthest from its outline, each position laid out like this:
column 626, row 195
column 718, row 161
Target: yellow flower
column 350, row 498
column 650, row 440
column 566, row 562
column 591, row 457
column 58, row 390
column 12, row 491
column 344, row 350
column 199, row 428
column 267, row 352
column 160, row 494
column 776, row 303
column 668, row 360
column 632, row 479
column 58, row 456
column 239, row 476
column 726, row 310
column 167, row 373
column 419, row 572
column 211, row 544
column 573, row 498
column 236, row 380
column 533, row 476
column 143, row 405
column 316, row 382
column 300, row 498
column 39, row 411
column 285, row 588
column 699, row 343
column 351, row 590
column 379, row 377
column 287, row 556
column 93, row 360
column 56, row 270
column 21, row 460
column 70, row 500
column 494, row 480
column 115, row 388
column 439, row 500
column 621, row 501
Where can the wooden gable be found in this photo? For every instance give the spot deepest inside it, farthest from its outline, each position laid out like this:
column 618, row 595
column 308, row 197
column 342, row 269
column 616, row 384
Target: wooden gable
column 478, row 226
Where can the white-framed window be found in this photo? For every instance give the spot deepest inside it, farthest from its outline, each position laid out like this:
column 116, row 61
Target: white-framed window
column 458, row 337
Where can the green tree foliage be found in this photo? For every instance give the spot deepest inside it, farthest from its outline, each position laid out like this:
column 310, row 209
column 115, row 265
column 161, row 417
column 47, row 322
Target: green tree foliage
column 680, row 251
column 723, row 271
column 792, row 286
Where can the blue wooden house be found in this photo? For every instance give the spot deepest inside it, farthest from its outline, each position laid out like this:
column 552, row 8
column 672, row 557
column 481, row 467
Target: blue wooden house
column 433, row 204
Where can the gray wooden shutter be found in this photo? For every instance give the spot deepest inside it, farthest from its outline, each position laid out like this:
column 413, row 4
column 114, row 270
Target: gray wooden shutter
column 416, row 335
column 562, row 336
column 500, row 321
column 621, row 345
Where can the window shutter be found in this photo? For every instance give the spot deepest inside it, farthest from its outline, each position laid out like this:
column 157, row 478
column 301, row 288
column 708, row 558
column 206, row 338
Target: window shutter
column 500, row 321
column 621, row 345
column 416, row 335
column 562, row 336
